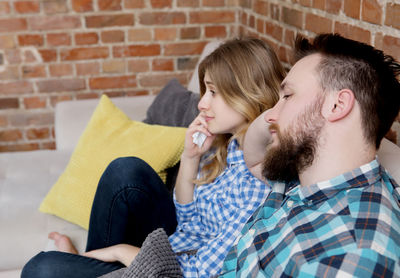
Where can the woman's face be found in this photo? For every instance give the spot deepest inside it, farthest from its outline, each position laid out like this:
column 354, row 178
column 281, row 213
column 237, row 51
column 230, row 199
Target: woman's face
column 220, row 117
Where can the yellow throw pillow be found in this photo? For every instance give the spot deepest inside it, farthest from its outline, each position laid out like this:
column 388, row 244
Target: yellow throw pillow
column 109, row 134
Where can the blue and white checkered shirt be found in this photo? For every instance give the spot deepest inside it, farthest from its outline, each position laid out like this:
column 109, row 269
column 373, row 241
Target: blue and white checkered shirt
column 212, row 222
column 348, row 226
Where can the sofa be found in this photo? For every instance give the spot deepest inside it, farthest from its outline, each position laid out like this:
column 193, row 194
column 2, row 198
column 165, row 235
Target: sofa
column 26, row 178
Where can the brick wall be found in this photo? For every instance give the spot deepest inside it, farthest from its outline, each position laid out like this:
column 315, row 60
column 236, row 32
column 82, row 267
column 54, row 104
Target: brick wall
column 56, row 50
column 376, row 22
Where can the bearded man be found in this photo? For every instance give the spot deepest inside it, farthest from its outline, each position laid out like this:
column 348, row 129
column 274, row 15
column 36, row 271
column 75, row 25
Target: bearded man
column 336, row 211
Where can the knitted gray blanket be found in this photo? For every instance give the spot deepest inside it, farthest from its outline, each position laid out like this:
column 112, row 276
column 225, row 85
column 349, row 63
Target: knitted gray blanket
column 155, row 260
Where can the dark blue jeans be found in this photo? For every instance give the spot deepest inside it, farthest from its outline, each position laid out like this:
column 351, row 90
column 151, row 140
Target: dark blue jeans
column 130, row 202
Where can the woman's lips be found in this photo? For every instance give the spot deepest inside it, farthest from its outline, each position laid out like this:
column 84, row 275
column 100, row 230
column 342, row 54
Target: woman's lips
column 208, row 118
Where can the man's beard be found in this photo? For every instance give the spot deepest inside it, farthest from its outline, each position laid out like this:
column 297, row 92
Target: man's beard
column 297, row 147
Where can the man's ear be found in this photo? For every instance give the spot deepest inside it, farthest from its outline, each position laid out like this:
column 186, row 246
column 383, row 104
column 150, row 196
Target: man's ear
column 342, row 104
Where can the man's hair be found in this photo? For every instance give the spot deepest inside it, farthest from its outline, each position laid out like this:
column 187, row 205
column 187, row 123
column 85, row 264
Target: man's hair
column 368, row 72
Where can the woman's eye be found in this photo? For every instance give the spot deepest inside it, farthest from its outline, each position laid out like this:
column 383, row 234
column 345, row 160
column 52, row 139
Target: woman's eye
column 212, row 92
column 286, row 96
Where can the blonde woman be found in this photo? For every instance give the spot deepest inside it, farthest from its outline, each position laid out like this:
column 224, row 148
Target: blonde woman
column 214, row 195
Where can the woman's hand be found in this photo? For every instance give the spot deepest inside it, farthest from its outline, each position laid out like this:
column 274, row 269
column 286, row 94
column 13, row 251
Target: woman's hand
column 192, row 150
column 123, row 253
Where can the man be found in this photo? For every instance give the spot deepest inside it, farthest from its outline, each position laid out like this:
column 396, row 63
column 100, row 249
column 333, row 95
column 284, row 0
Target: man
column 343, row 217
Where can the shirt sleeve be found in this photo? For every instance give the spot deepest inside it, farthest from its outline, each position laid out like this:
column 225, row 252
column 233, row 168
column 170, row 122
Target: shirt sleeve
column 208, row 260
column 184, row 212
column 359, row 263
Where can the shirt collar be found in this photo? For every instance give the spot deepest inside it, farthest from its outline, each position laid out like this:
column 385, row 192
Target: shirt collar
column 235, row 155
column 366, row 174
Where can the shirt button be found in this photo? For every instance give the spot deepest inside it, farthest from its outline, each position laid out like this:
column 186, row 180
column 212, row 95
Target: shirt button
column 290, row 203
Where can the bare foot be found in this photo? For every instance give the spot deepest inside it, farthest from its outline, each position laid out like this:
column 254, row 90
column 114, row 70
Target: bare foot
column 63, row 243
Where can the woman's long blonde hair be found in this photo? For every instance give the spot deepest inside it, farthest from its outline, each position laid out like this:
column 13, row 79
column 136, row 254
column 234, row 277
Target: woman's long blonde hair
column 247, row 74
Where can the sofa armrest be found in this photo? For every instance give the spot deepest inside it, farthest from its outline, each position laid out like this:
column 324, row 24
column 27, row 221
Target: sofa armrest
column 71, row 117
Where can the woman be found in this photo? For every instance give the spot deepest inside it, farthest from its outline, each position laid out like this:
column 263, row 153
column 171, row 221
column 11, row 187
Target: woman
column 214, row 195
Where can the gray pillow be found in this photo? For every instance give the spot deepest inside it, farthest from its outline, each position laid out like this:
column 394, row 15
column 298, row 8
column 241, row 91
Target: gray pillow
column 173, row 106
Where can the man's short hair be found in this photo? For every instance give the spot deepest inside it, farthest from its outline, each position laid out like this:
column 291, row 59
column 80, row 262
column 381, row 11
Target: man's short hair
column 368, row 72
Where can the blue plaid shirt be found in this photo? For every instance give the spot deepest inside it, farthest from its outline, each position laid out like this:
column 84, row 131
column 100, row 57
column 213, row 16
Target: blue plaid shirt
column 348, row 226
column 212, row 222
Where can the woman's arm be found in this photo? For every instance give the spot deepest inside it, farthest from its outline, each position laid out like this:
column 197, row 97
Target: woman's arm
column 190, row 159
column 255, row 142
column 123, row 253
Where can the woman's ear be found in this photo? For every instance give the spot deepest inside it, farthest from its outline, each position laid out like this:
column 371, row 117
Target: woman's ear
column 342, row 105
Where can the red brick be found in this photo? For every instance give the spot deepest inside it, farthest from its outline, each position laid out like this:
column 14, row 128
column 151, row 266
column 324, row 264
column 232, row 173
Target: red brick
column 34, row 40
column 26, row 118
column 190, row 33
column 163, row 65
column 114, row 66
column 275, row 12
column 87, row 68
column 134, row 4
column 245, row 3
column 48, row 145
column 136, row 50
column 307, row 3
column 38, row 133
column 215, row 31
column 59, row 98
column 371, row 11
column 113, row 82
column 87, row 96
column 252, row 22
column 140, row 34
column 55, row 6
column 352, row 8
column 186, row 63
column 260, row 26
column 13, row 25
column 184, row 48
column 161, row 4
column 134, row 93
column 212, row 17
column 10, row 135
column 10, row 73
column 162, row 18
column 54, row 22
column 159, row 80
column 58, row 39
column 82, row 5
column 4, row 8
column 48, row 55
column 333, row 6
column 165, row 34
column 260, row 7
column 60, row 85
column 17, row 87
column 57, row 70
column 13, row 56
column 318, row 24
column 24, row 7
column 138, row 66
column 84, row 53
column 9, row 103
column 109, row 5
column 319, row 4
column 353, row 32
column 393, row 15
column 100, row 21
column 188, row 3
column 19, row 147
column 274, row 30
column 3, row 121
column 292, row 17
column 7, row 41
column 34, row 71
column 86, row 38
column 112, row 36
column 214, row 3
column 391, row 46
column 34, row 102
